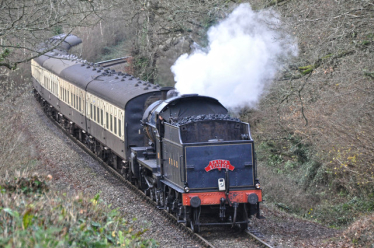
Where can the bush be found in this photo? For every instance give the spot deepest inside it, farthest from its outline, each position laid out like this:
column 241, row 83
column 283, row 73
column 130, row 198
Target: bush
column 342, row 214
column 31, row 217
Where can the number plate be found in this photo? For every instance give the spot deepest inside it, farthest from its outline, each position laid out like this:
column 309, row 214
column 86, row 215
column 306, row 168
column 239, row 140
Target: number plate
column 221, row 184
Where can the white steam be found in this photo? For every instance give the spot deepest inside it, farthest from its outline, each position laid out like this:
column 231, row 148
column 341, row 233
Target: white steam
column 243, row 54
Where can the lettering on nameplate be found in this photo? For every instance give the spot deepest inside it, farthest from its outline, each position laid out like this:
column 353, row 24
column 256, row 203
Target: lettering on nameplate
column 219, row 164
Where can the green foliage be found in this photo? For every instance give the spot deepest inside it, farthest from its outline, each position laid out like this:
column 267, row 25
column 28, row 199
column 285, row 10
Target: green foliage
column 296, row 163
column 309, row 171
column 343, row 213
column 52, row 220
column 282, row 206
column 369, row 74
column 274, row 2
column 23, row 185
column 4, row 53
column 306, row 69
column 142, row 66
column 288, row 155
column 57, row 30
column 141, row 62
column 365, row 42
column 117, row 50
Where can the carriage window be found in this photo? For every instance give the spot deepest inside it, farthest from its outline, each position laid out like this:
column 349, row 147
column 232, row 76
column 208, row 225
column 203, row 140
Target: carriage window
column 98, row 115
column 119, row 128
column 111, row 123
column 80, row 104
column 107, row 121
column 94, row 113
column 101, row 120
column 76, row 101
column 91, row 110
column 115, row 125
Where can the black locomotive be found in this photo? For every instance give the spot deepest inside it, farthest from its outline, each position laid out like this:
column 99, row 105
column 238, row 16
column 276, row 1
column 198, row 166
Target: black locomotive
column 185, row 152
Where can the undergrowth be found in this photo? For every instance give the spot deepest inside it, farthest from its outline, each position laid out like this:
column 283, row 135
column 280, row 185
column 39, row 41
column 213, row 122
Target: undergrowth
column 32, row 216
column 297, row 182
column 341, row 214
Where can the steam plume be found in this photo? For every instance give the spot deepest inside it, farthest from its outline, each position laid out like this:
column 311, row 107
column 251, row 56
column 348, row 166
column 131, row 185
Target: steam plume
column 243, row 54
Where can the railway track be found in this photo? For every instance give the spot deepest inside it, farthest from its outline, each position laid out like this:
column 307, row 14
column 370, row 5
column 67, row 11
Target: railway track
column 255, row 236
column 112, row 62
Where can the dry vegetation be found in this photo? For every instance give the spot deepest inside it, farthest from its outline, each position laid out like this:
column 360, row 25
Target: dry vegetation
column 156, row 33
column 31, row 216
column 25, row 24
column 315, row 124
column 13, row 136
column 313, row 128
column 30, row 213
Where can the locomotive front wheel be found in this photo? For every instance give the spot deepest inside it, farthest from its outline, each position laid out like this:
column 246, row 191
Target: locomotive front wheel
column 244, row 226
column 192, row 227
column 195, row 228
column 187, row 217
column 195, row 219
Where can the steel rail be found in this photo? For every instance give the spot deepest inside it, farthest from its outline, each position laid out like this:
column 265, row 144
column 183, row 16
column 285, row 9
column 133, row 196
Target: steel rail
column 111, row 62
column 258, row 239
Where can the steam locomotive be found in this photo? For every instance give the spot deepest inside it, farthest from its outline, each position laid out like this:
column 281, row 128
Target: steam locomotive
column 185, row 152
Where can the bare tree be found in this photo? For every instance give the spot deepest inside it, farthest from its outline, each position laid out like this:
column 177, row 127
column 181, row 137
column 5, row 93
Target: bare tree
column 166, row 29
column 26, row 23
column 325, row 97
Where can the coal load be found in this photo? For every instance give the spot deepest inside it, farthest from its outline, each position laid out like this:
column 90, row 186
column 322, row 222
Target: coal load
column 191, row 119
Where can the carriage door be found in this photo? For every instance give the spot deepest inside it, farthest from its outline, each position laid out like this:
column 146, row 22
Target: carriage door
column 88, row 112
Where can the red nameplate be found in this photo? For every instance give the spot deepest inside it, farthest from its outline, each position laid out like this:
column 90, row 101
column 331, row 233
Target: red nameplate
column 219, row 164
